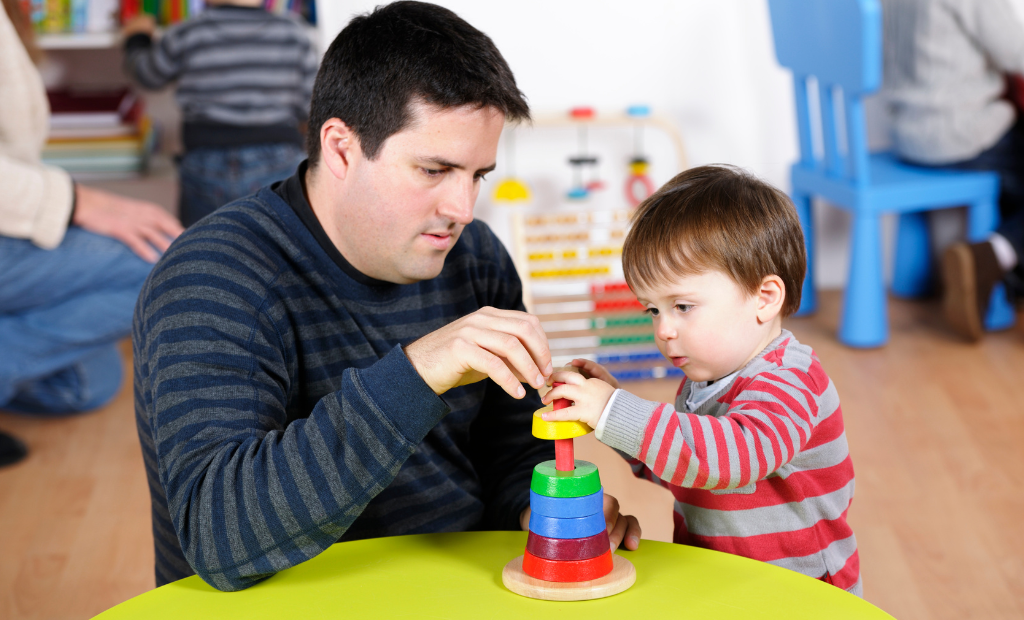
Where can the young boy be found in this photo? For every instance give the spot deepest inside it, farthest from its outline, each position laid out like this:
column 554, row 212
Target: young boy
column 754, row 449
column 244, row 80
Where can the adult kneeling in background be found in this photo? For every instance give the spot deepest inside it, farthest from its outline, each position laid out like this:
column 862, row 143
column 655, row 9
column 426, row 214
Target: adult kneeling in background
column 72, row 258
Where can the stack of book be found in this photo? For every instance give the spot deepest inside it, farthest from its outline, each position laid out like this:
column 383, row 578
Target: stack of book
column 98, row 134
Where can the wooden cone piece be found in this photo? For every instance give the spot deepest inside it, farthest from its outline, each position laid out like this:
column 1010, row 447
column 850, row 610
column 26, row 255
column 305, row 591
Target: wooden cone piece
column 622, row 577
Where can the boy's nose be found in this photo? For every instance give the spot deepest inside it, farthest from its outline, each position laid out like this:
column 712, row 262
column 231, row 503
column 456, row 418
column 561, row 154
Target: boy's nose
column 665, row 331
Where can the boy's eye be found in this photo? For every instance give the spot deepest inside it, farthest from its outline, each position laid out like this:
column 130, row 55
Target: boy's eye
column 684, row 308
column 651, row 311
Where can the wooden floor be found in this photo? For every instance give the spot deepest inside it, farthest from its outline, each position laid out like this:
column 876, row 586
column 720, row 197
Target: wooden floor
column 936, row 429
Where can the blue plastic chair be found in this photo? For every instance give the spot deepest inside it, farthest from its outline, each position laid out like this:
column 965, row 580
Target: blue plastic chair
column 838, row 43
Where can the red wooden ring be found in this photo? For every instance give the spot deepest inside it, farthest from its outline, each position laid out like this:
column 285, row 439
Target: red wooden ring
column 567, row 570
column 564, row 549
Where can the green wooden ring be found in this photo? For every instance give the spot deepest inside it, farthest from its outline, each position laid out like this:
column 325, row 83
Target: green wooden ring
column 550, row 482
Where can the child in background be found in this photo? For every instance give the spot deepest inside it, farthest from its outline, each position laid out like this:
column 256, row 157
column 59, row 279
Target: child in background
column 754, row 449
column 245, row 77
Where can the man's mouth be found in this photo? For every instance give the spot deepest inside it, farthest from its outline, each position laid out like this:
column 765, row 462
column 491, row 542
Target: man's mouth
column 440, row 241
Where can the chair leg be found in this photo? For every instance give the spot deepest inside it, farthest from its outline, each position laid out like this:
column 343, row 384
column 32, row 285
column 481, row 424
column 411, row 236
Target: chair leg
column 982, row 219
column 808, row 295
column 864, row 321
column 912, row 273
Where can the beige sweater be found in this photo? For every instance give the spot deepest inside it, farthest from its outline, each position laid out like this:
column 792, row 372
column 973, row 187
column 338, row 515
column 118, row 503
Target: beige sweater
column 944, row 66
column 35, row 199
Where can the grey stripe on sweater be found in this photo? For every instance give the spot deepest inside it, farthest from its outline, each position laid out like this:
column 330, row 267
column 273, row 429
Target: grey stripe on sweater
column 233, row 66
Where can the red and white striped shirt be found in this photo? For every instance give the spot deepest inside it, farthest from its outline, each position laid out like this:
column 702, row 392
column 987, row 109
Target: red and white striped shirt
column 761, row 469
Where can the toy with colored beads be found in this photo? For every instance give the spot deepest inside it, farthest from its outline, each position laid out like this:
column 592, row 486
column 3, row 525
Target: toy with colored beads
column 568, row 555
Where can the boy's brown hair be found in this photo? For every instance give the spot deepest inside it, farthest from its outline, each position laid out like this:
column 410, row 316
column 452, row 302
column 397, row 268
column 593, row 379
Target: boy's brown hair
column 717, row 218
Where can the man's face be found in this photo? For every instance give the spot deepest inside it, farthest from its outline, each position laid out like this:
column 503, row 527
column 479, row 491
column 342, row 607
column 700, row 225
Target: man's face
column 405, row 210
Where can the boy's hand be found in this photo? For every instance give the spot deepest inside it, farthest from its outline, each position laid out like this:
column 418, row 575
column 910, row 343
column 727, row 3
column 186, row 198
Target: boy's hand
column 140, row 24
column 589, row 398
column 595, row 371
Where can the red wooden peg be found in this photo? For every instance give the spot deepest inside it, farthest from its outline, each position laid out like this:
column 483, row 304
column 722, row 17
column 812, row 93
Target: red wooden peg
column 565, row 458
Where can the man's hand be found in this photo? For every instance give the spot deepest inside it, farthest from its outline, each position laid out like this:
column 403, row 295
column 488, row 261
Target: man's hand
column 622, row 529
column 506, row 345
column 142, row 226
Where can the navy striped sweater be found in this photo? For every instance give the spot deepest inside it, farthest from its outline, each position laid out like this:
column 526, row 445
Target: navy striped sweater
column 278, row 413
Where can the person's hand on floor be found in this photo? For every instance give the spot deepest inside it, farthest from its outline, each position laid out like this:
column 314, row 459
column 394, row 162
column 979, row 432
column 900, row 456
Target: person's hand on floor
column 143, row 226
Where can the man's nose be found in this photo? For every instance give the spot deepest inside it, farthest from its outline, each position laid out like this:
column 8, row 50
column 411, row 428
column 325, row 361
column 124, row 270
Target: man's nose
column 458, row 203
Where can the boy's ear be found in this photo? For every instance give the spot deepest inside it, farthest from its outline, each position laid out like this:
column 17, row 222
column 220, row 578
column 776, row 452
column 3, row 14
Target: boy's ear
column 338, row 146
column 770, row 297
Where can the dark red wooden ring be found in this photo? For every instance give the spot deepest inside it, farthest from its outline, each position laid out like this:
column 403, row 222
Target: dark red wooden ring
column 567, row 548
column 570, row 571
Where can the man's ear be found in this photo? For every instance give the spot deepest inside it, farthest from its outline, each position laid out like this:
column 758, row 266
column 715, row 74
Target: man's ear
column 339, row 145
column 770, row 297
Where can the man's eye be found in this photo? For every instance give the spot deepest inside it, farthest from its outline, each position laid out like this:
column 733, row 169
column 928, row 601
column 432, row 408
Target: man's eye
column 433, row 172
column 481, row 177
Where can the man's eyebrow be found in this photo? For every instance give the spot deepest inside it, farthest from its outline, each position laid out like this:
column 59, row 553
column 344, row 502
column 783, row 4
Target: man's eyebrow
column 444, row 163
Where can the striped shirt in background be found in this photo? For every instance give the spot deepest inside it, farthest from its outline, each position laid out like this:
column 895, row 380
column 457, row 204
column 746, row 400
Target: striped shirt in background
column 761, row 469
column 244, row 75
column 277, row 410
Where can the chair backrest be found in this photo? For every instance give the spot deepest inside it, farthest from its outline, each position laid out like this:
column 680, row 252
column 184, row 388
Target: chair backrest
column 838, row 44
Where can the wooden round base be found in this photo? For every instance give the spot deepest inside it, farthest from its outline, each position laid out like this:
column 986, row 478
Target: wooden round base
column 622, row 577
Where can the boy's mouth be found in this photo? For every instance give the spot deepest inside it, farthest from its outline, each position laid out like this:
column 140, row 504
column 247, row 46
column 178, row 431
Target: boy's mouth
column 679, row 362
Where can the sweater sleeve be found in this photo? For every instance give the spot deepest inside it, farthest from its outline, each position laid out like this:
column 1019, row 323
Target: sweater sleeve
column 769, row 420
column 153, row 66
column 250, row 493
column 36, row 201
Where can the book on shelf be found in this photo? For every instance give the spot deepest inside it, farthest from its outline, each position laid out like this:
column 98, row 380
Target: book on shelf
column 97, row 16
column 98, row 134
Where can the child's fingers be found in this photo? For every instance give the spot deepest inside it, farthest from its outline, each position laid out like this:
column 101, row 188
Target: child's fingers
column 562, row 415
column 566, row 391
column 564, row 376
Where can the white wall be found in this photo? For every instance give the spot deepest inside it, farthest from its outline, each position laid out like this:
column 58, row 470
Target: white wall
column 710, row 66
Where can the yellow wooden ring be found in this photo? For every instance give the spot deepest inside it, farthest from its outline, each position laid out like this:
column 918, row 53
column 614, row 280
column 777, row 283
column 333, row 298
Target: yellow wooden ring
column 557, row 430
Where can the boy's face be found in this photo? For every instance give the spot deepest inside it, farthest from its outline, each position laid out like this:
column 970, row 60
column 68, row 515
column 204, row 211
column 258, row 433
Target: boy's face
column 705, row 324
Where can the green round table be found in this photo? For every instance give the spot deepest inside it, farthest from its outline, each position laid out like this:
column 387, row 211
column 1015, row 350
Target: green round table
column 459, row 576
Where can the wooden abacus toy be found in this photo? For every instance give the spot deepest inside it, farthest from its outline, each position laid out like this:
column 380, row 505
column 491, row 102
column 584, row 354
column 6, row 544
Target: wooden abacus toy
column 568, row 556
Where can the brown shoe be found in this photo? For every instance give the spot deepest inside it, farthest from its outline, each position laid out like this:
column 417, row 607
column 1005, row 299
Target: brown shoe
column 969, row 273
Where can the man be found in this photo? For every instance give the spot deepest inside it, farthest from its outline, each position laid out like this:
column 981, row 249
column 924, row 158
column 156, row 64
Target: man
column 340, row 355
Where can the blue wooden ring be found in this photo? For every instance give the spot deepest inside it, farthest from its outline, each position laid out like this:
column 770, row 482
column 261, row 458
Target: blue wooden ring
column 553, row 527
column 567, row 507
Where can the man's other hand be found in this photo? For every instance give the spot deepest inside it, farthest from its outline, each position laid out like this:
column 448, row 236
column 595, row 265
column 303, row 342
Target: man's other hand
column 506, row 345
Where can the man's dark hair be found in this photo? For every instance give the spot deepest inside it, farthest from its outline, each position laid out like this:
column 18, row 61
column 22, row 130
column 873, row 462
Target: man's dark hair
column 400, row 53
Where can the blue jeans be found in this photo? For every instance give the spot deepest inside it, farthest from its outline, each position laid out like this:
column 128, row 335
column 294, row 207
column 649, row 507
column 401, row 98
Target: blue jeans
column 62, row 311
column 210, row 178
